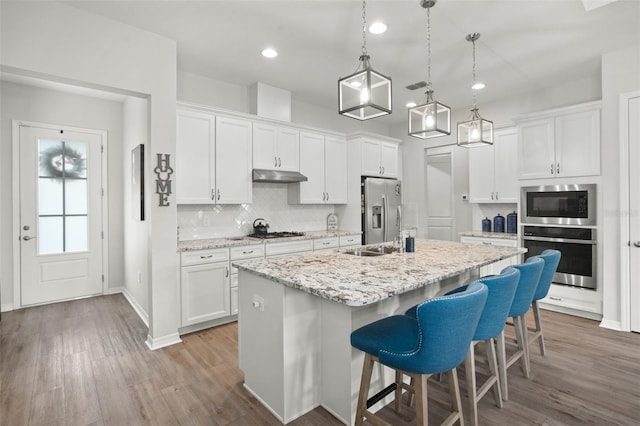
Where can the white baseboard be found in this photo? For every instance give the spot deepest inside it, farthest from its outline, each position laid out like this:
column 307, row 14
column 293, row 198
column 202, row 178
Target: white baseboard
column 161, row 342
column 6, row 307
column 612, row 325
column 136, row 307
column 114, row 290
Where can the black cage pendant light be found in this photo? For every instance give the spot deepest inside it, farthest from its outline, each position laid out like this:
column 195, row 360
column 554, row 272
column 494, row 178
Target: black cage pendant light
column 431, row 119
column 476, row 131
column 366, row 93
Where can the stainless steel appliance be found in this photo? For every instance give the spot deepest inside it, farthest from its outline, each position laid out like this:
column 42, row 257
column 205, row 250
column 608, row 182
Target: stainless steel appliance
column 578, row 247
column 381, row 209
column 559, row 204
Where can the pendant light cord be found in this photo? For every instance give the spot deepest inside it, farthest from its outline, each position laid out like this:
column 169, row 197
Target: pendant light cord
column 428, row 49
column 474, row 72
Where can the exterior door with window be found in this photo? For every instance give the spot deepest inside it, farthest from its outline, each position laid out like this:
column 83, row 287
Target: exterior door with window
column 60, row 214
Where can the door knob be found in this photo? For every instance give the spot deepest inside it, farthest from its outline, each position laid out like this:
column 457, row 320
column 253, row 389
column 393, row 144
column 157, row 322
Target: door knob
column 27, row 238
column 636, row 243
column 26, row 227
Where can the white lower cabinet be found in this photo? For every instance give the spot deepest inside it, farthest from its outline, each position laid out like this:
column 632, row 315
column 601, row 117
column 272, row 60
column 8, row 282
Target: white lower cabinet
column 350, row 241
column 496, row 267
column 288, row 248
column 326, row 243
column 242, row 254
column 205, row 286
column 573, row 300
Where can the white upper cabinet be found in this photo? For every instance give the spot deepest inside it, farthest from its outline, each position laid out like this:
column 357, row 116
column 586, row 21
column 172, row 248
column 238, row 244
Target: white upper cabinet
column 323, row 160
column 195, row 157
column 233, row 161
column 493, row 170
column 275, row 148
column 379, row 158
column 560, row 143
column 214, row 159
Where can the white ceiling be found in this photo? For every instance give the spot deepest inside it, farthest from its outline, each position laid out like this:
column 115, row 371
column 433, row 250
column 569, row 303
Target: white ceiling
column 524, row 44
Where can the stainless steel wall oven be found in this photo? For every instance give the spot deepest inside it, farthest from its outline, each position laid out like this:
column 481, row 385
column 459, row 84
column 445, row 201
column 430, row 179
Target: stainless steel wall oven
column 579, row 252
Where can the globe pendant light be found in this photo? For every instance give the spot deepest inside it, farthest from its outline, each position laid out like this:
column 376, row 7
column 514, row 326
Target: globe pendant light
column 366, row 93
column 476, row 131
column 431, row 119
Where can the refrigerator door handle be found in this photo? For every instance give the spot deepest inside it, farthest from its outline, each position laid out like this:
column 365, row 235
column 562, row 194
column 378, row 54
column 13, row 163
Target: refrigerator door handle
column 385, row 225
column 399, row 218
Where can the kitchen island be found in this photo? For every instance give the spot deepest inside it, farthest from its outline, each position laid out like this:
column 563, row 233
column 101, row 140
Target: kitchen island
column 296, row 315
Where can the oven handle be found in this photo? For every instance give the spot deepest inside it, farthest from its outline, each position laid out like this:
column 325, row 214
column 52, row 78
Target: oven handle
column 559, row 240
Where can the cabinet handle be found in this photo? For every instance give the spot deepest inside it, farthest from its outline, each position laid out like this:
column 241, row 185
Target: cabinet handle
column 279, row 162
column 247, row 252
column 227, row 269
column 558, row 169
column 326, row 243
column 218, row 194
column 379, row 170
column 275, row 161
column 206, row 257
column 497, row 195
column 636, row 243
column 327, row 196
column 382, row 169
column 213, row 194
column 555, row 298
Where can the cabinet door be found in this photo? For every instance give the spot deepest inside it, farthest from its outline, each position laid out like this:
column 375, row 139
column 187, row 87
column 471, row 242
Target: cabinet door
column 481, row 174
column 335, row 156
column 288, row 149
column 370, row 157
column 312, row 166
column 505, row 154
column 536, row 158
column 578, row 144
column 389, row 159
column 264, row 146
column 195, row 157
column 205, row 292
column 233, row 161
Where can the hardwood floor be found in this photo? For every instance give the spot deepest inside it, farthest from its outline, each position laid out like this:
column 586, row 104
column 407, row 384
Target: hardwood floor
column 85, row 363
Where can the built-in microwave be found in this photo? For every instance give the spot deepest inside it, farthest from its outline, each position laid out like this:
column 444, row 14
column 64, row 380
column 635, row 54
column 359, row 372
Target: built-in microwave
column 573, row 204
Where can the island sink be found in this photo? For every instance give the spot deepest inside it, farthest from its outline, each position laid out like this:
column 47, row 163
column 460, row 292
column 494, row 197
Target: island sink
column 371, row 251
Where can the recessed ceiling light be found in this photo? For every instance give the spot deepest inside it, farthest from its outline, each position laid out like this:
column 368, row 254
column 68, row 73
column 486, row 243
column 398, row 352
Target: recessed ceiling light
column 269, row 53
column 478, row 85
column 377, row 28
column 411, row 104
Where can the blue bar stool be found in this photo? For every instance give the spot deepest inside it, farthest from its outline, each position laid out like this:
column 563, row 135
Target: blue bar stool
column 530, row 272
column 502, row 289
column 551, row 260
column 436, row 341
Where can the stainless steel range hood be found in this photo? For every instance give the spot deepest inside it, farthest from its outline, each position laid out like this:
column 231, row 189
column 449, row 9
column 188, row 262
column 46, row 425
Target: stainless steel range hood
column 277, row 176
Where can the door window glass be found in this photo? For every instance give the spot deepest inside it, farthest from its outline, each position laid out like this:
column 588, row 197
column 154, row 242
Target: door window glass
column 62, row 196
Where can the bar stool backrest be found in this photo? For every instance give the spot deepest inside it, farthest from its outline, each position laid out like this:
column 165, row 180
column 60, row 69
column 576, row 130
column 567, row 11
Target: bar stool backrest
column 551, row 260
column 502, row 289
column 446, row 326
column 530, row 272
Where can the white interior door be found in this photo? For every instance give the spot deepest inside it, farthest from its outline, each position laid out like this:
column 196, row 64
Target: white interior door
column 634, row 211
column 60, row 214
column 439, row 195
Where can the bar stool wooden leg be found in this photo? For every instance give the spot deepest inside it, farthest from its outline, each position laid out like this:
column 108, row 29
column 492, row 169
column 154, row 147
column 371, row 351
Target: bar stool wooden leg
column 538, row 331
column 422, row 407
column 456, row 403
column 493, row 367
column 365, row 382
column 525, row 346
column 502, row 365
column 470, row 375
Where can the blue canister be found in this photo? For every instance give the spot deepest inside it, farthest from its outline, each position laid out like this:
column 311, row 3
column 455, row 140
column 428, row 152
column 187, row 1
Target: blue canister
column 410, row 245
column 486, row 225
column 498, row 223
column 512, row 223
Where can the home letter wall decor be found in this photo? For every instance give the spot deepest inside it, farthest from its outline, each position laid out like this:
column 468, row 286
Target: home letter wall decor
column 163, row 183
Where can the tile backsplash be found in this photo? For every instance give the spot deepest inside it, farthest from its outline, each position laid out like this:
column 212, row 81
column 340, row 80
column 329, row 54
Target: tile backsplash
column 269, row 202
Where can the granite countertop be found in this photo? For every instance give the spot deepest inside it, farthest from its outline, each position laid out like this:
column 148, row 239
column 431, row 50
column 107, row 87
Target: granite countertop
column 359, row 281
column 501, row 235
column 211, row 243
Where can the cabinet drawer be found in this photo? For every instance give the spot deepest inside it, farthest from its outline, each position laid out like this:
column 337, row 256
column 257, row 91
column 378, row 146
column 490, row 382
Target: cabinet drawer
column 247, row 252
column 326, row 243
column 503, row 242
column 350, row 240
column 204, row 256
column 234, row 270
column 275, row 249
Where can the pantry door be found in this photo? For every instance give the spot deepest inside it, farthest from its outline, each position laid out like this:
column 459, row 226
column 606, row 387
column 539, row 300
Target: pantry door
column 60, row 214
column 631, row 113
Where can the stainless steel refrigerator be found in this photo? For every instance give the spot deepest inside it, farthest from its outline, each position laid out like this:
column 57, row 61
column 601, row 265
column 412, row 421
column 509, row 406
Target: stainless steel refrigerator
column 381, row 209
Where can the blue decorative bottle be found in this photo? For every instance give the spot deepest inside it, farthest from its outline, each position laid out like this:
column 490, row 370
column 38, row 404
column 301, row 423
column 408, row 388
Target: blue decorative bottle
column 512, row 223
column 486, row 225
column 498, row 223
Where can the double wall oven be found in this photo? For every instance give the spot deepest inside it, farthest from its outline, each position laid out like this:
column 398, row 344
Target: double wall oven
column 563, row 217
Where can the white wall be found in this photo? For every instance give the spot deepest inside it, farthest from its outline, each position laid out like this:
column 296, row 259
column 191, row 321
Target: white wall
column 620, row 74
column 29, row 103
column 58, row 42
column 136, row 244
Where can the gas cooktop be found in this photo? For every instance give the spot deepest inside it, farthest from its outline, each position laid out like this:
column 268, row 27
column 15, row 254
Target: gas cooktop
column 270, row 235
